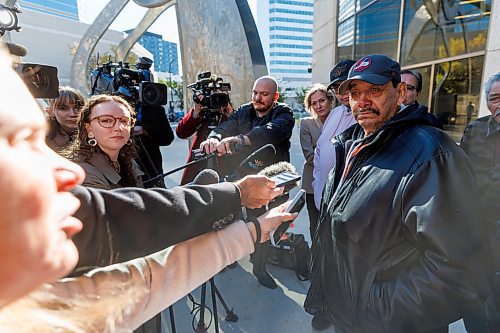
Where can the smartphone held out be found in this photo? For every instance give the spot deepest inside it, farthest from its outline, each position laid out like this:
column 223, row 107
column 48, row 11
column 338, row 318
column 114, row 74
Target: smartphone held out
column 295, row 206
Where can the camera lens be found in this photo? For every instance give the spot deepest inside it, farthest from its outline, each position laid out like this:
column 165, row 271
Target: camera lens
column 153, row 93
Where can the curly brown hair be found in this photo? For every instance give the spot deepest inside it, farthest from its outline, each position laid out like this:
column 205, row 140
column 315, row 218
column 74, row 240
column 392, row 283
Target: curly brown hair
column 79, row 149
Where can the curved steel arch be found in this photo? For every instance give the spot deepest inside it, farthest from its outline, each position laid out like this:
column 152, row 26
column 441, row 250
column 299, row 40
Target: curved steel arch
column 149, row 18
column 210, row 34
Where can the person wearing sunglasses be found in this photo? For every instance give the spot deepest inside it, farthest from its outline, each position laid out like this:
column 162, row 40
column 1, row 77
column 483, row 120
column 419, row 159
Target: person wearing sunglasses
column 63, row 113
column 413, row 82
column 103, row 146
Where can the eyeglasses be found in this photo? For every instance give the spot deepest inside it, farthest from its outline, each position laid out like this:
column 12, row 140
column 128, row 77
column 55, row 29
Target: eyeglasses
column 370, row 93
column 108, row 121
column 410, row 87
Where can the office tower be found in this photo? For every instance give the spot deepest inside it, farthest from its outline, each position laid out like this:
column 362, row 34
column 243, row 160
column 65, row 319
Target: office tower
column 286, row 31
column 164, row 52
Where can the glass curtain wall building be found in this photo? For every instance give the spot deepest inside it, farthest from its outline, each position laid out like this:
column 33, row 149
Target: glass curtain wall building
column 286, row 31
column 164, row 52
column 444, row 40
column 67, row 9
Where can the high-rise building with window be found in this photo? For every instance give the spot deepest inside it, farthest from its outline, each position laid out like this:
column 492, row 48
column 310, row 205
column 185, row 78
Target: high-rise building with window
column 164, row 52
column 67, row 9
column 286, row 32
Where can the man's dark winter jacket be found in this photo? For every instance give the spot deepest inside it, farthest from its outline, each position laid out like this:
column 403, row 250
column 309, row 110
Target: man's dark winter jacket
column 275, row 127
column 400, row 246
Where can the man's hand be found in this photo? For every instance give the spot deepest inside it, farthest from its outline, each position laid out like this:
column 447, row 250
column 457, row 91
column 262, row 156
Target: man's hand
column 209, row 145
column 257, row 190
column 224, row 146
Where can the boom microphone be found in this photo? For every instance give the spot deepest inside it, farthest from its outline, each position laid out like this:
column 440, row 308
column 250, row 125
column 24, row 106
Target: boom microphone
column 277, row 168
column 284, row 174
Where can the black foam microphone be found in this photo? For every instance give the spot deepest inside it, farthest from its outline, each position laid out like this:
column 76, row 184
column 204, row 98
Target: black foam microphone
column 205, row 177
column 255, row 162
column 16, row 49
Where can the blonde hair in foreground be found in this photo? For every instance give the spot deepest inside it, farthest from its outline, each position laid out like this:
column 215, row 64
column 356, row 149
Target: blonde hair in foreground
column 43, row 310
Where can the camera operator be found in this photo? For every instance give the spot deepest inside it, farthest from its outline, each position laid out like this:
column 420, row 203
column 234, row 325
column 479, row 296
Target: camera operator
column 196, row 122
column 263, row 121
column 155, row 131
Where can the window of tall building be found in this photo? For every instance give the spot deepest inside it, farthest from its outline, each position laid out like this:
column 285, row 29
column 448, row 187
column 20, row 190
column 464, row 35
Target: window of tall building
column 443, row 29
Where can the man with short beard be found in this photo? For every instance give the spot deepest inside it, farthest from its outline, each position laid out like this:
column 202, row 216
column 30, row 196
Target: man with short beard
column 254, row 125
column 398, row 247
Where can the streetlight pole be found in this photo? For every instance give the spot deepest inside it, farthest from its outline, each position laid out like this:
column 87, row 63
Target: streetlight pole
column 171, row 104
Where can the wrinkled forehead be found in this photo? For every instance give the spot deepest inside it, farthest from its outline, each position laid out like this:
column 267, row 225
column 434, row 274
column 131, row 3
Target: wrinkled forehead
column 18, row 109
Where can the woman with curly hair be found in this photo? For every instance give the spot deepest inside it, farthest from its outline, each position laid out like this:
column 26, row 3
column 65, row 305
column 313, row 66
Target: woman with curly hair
column 63, row 113
column 103, row 146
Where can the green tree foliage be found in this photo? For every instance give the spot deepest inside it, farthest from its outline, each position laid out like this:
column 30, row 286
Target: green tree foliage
column 176, row 88
column 301, row 94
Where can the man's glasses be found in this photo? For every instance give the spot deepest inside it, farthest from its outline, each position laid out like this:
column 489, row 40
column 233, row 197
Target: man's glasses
column 107, row 121
column 410, row 87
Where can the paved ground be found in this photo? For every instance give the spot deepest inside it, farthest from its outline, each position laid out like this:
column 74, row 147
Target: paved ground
column 259, row 309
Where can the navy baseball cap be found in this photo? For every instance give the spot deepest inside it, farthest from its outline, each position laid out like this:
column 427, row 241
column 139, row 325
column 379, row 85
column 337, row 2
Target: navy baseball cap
column 375, row 69
column 340, row 71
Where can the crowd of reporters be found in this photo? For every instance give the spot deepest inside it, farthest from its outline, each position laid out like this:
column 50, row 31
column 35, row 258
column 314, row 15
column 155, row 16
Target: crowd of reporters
column 203, row 223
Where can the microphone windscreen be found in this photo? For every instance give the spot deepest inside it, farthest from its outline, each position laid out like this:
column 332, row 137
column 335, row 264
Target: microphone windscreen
column 16, row 49
column 206, row 177
column 277, row 168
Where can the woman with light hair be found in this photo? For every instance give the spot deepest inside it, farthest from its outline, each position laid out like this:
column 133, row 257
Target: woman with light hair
column 318, row 102
column 36, row 246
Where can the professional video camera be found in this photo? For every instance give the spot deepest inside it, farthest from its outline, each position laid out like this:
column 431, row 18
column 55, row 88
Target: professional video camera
column 215, row 96
column 133, row 84
column 41, row 80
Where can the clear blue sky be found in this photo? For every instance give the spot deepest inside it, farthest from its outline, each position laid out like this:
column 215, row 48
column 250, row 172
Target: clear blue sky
column 165, row 25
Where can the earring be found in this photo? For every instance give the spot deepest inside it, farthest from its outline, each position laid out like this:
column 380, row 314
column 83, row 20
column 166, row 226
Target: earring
column 129, row 142
column 92, row 142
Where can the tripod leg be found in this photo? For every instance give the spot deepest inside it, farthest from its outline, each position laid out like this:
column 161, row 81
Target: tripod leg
column 214, row 304
column 202, row 327
column 230, row 315
column 172, row 319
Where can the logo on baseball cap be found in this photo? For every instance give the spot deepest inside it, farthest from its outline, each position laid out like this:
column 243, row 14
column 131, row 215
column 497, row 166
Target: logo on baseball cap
column 375, row 69
column 339, row 72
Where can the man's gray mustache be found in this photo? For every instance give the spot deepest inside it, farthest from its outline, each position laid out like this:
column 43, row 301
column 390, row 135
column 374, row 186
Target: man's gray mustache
column 377, row 112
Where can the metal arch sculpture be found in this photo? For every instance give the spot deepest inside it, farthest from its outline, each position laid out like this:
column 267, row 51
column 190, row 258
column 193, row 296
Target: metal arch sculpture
column 96, row 30
column 149, row 18
column 214, row 27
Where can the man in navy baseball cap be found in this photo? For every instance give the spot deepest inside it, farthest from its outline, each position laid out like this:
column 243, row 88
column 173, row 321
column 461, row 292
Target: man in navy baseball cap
column 375, row 69
column 397, row 247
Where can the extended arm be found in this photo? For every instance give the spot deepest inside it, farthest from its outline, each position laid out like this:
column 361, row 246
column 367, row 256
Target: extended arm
column 127, row 223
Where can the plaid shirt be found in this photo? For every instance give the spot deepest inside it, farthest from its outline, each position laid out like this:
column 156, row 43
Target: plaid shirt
column 481, row 142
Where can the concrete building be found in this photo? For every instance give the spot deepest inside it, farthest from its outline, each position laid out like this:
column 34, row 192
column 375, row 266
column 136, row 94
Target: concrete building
column 164, row 52
column 52, row 40
column 286, row 32
column 67, row 9
column 449, row 42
